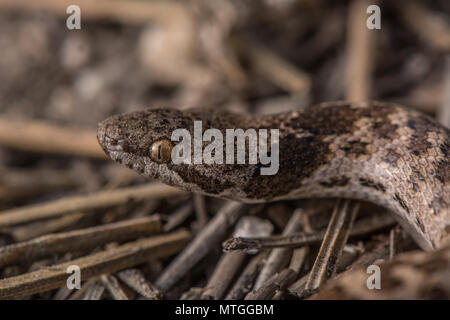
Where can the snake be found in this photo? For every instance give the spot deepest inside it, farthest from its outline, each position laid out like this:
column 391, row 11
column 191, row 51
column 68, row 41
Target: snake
column 379, row 152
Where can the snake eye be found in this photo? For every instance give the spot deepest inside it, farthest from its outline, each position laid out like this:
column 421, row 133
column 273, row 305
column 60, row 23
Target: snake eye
column 161, row 151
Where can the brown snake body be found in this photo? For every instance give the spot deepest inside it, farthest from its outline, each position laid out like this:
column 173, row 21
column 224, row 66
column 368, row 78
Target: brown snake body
column 378, row 152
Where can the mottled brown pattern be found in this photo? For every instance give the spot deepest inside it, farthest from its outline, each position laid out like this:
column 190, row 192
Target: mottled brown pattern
column 369, row 183
column 401, row 202
column 355, row 148
column 442, row 172
column 421, row 126
column 379, row 152
column 392, row 156
column 335, row 182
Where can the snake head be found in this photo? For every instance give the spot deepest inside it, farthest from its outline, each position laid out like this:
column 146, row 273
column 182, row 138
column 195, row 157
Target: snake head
column 140, row 139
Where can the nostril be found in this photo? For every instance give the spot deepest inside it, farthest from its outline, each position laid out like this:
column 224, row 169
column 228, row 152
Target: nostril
column 100, row 133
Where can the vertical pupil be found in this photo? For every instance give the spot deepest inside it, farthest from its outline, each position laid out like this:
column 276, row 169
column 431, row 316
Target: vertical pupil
column 159, row 151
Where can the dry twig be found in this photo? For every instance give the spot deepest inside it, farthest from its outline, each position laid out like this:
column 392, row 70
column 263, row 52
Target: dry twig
column 128, row 11
column 94, row 292
column 39, row 136
column 224, row 272
column 200, row 210
column 280, row 256
column 444, row 110
column 432, row 28
column 78, row 240
column 360, row 41
column 245, row 281
column 112, row 285
column 208, row 238
column 279, row 281
column 36, row 229
column 278, row 71
column 108, row 261
column 178, row 217
column 102, row 199
column 230, row 263
column 360, row 229
column 333, row 242
column 136, row 280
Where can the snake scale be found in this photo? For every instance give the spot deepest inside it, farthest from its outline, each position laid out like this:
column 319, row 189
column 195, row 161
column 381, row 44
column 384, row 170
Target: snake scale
column 378, row 152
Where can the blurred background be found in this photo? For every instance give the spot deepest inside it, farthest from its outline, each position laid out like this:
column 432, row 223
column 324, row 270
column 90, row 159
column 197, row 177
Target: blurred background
column 264, row 56
column 258, row 56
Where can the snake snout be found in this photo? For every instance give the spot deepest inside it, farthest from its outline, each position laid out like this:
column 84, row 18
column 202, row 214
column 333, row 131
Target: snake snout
column 110, row 136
